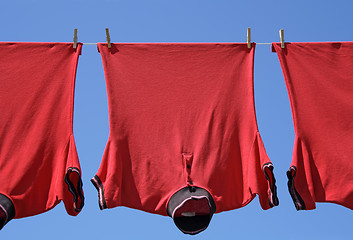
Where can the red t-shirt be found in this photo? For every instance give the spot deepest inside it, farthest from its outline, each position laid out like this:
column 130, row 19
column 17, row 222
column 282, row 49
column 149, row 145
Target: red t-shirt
column 39, row 166
column 181, row 115
column 319, row 78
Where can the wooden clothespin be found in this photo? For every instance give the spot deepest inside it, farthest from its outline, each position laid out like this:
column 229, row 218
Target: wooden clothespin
column 75, row 38
column 108, row 38
column 248, row 37
column 281, row 36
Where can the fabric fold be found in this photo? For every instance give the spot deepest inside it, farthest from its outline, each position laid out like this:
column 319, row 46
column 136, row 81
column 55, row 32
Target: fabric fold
column 37, row 147
column 73, row 198
column 182, row 116
column 320, row 88
column 260, row 168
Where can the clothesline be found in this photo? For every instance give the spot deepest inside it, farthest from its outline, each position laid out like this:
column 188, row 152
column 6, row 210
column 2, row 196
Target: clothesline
column 281, row 34
column 248, row 38
column 256, row 43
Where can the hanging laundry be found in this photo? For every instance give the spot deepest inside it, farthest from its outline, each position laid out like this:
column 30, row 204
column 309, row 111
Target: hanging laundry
column 319, row 78
column 39, row 166
column 183, row 137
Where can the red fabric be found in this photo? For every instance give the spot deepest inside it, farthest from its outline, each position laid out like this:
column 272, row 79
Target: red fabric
column 180, row 114
column 319, row 78
column 36, row 139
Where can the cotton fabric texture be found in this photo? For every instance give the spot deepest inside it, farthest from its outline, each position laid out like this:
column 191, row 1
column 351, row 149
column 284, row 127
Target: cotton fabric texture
column 182, row 114
column 319, row 78
column 39, row 166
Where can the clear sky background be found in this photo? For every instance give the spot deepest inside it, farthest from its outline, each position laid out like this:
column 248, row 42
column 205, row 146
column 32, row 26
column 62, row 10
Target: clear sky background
column 180, row 21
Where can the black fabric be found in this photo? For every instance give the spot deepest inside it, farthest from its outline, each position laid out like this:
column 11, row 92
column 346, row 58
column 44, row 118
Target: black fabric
column 191, row 224
column 76, row 190
column 298, row 201
column 7, row 210
column 99, row 186
column 273, row 199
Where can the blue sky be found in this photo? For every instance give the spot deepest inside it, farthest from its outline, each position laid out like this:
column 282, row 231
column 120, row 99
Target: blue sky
column 180, row 21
